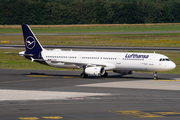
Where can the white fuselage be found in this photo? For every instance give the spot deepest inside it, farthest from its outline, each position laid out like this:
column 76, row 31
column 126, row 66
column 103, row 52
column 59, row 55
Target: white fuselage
column 111, row 60
column 94, row 63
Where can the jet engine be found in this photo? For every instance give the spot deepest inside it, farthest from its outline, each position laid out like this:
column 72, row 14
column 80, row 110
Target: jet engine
column 96, row 71
column 123, row 72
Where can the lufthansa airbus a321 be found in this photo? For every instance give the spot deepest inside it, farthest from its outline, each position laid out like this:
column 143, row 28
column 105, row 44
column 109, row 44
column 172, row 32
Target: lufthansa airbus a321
column 94, row 63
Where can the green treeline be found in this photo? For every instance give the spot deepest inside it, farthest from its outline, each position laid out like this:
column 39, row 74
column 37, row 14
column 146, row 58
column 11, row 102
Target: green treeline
column 88, row 11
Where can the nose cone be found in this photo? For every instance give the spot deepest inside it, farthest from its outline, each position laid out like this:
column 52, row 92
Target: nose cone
column 172, row 65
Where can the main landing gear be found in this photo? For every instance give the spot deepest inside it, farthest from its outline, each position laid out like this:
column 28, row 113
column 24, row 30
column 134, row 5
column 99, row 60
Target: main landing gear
column 155, row 75
column 105, row 74
column 84, row 75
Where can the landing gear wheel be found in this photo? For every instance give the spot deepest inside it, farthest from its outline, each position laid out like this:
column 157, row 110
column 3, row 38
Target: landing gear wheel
column 105, row 74
column 83, row 75
column 155, row 75
column 155, row 78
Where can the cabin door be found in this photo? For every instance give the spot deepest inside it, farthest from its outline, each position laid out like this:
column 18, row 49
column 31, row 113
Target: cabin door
column 118, row 60
column 80, row 58
column 151, row 60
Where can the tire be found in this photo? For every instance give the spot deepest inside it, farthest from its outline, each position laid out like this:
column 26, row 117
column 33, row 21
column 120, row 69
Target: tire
column 105, row 74
column 83, row 75
column 156, row 78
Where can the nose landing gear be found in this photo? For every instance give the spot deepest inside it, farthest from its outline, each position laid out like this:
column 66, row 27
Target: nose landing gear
column 155, row 75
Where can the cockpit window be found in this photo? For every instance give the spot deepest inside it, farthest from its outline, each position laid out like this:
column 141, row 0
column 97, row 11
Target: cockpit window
column 164, row 59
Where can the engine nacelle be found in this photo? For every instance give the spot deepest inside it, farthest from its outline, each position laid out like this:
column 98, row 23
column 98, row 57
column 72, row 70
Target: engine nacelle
column 123, row 72
column 96, row 71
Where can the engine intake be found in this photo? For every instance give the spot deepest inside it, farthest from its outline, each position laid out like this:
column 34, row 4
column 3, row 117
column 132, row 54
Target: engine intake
column 96, row 71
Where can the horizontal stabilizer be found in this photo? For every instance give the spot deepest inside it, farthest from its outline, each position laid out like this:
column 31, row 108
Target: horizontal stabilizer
column 30, row 55
column 37, row 60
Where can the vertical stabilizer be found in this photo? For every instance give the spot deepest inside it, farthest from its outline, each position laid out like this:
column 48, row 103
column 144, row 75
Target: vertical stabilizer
column 30, row 40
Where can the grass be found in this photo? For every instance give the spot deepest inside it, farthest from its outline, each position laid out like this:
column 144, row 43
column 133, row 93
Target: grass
column 149, row 40
column 138, row 40
column 10, row 61
column 92, row 28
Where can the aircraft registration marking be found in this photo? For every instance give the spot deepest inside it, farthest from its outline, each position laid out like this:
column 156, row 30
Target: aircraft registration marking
column 148, row 114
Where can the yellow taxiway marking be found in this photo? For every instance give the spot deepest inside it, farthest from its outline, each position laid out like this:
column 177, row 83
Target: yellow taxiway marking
column 40, row 76
column 20, row 81
column 69, row 77
column 168, row 113
column 31, row 80
column 137, row 114
column 53, row 117
column 148, row 114
column 49, row 76
column 28, row 118
column 44, row 117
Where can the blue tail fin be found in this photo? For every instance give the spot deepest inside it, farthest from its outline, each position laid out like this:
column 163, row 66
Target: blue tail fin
column 31, row 43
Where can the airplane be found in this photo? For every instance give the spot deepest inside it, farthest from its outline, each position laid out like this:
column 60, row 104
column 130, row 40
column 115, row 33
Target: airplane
column 94, row 63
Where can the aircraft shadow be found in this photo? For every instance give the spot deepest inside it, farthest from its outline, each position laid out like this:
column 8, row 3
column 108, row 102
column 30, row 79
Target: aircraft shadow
column 96, row 77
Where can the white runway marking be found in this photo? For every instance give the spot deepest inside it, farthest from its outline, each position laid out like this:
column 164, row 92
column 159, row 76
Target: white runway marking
column 42, row 95
column 150, row 84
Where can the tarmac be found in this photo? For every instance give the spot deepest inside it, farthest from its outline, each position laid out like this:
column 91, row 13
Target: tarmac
column 52, row 94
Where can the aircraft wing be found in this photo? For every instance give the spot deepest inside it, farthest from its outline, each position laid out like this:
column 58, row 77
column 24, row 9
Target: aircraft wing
column 88, row 64
column 78, row 64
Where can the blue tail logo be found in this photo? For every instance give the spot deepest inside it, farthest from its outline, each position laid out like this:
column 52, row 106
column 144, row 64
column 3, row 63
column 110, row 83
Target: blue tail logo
column 31, row 43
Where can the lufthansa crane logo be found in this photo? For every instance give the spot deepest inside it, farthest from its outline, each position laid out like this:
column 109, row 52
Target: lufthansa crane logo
column 30, row 42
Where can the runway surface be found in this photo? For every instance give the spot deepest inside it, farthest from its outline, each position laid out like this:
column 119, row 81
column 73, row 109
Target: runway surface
column 48, row 94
